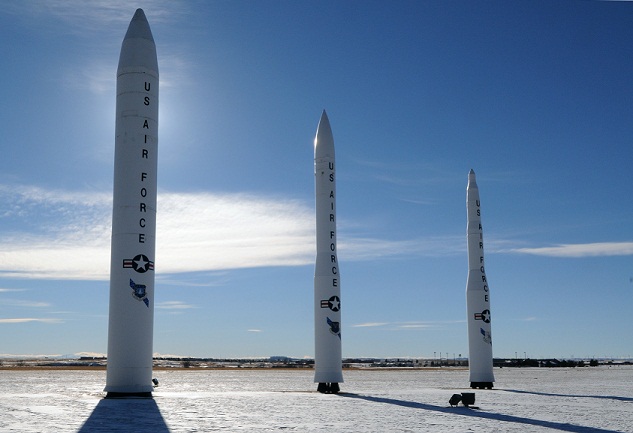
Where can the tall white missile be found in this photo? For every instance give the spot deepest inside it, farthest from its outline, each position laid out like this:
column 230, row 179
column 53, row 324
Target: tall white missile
column 477, row 295
column 130, row 331
column 328, row 362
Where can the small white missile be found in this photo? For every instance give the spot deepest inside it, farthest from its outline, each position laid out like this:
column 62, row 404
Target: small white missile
column 131, row 321
column 477, row 295
column 328, row 362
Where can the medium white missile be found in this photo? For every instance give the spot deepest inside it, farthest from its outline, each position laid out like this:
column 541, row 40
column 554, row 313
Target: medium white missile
column 477, row 295
column 328, row 362
column 130, row 331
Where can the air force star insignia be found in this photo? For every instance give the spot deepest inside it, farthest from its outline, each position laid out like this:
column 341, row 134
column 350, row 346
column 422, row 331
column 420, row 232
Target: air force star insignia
column 140, row 263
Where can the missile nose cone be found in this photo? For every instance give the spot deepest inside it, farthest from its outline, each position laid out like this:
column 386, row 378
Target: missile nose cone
column 324, row 141
column 139, row 27
column 471, row 178
column 138, row 48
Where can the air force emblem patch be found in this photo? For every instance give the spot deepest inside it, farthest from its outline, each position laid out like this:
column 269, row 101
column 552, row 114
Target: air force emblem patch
column 139, row 292
column 335, row 327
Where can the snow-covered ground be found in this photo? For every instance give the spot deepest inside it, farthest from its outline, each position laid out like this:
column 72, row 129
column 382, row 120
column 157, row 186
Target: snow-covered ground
column 590, row 399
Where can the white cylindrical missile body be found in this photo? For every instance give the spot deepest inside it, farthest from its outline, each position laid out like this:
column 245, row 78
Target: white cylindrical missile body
column 477, row 295
column 328, row 363
column 130, row 331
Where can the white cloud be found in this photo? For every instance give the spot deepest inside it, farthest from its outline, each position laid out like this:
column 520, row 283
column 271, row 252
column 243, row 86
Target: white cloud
column 369, row 324
column 417, row 326
column 406, row 326
column 96, row 15
column 174, row 305
column 30, row 319
column 362, row 248
column 253, row 330
column 17, row 356
column 22, row 303
column 57, row 234
column 66, row 235
column 103, row 23
column 580, row 250
column 203, row 231
column 60, row 234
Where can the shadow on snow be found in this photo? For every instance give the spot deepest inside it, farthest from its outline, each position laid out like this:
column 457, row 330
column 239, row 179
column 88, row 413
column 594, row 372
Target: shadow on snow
column 125, row 415
column 607, row 397
column 464, row 411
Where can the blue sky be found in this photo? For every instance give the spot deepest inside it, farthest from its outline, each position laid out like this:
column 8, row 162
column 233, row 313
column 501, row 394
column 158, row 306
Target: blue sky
column 534, row 96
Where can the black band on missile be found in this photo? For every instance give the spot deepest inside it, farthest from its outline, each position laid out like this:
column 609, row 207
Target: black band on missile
column 328, row 388
column 112, row 395
column 481, row 385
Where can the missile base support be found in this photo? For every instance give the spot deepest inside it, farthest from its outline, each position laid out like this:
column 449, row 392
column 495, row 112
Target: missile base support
column 328, row 388
column 121, row 395
column 481, row 385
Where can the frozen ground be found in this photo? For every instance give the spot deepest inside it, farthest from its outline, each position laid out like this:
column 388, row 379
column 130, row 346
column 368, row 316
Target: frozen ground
column 596, row 399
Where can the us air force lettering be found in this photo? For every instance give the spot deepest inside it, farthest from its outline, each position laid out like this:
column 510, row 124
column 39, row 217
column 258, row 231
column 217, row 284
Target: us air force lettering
column 328, row 363
column 477, row 295
column 130, row 332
